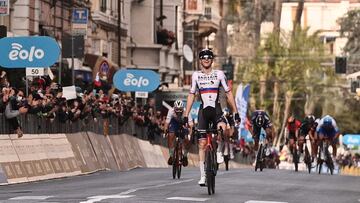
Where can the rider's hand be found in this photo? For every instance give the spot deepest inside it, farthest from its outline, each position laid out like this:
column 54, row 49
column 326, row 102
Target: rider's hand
column 237, row 118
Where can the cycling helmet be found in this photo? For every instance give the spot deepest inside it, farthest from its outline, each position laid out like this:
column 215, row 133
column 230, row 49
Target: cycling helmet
column 226, row 111
column 310, row 119
column 206, row 54
column 259, row 121
column 178, row 106
column 327, row 122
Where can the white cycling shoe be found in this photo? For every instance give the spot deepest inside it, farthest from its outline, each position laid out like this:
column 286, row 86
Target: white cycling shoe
column 202, row 181
column 219, row 157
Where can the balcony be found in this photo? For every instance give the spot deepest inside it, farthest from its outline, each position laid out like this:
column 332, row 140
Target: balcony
column 105, row 19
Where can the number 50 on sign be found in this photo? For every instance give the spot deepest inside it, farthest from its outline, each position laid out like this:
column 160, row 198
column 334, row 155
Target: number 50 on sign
column 34, row 71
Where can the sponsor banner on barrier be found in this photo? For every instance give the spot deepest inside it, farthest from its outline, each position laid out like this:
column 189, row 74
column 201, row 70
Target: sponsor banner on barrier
column 153, row 154
column 103, row 151
column 83, row 152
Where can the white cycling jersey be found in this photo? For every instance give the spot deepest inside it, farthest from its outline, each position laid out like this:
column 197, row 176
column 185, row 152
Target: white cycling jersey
column 171, row 114
column 209, row 86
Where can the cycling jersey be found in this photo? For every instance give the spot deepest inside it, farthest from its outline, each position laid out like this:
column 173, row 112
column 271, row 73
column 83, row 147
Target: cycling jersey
column 306, row 128
column 293, row 127
column 327, row 132
column 209, row 86
column 266, row 124
column 174, row 121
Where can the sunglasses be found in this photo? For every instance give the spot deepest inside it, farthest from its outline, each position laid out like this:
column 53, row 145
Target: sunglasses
column 206, row 57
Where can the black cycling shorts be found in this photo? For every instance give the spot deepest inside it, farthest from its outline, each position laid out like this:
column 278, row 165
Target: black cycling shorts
column 207, row 116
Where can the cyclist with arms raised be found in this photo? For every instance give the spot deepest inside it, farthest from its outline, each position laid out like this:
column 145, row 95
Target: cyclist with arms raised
column 208, row 82
column 174, row 125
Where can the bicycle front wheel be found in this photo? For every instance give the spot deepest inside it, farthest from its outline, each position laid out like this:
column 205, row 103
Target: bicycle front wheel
column 209, row 161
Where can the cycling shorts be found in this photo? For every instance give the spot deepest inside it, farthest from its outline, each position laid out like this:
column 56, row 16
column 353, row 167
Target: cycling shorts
column 207, row 116
column 331, row 133
column 257, row 131
column 175, row 127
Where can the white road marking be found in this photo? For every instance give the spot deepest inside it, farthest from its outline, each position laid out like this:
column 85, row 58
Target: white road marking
column 126, row 193
column 103, row 197
column 257, row 201
column 30, row 197
column 194, row 199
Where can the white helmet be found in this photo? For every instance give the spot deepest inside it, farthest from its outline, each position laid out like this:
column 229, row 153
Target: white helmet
column 178, row 104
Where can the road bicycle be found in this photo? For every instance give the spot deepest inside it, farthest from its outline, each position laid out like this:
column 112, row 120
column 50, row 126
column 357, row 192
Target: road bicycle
column 261, row 152
column 177, row 158
column 210, row 157
column 324, row 156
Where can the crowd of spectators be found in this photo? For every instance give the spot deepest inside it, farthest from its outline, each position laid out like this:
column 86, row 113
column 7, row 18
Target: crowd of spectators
column 45, row 99
column 349, row 159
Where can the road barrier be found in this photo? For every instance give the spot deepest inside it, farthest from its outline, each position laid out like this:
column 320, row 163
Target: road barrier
column 54, row 150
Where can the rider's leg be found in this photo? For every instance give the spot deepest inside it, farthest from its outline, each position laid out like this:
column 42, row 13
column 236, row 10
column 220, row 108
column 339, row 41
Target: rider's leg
column 202, row 146
column 219, row 150
column 333, row 144
column 313, row 141
column 186, row 147
column 291, row 145
column 231, row 145
column 171, row 141
column 301, row 143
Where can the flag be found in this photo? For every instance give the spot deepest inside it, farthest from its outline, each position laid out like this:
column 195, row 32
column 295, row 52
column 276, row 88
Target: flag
column 241, row 100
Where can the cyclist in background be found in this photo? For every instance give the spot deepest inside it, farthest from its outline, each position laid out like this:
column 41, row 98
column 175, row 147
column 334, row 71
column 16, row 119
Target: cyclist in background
column 260, row 119
column 173, row 124
column 292, row 133
column 308, row 127
column 228, row 132
column 208, row 81
column 328, row 129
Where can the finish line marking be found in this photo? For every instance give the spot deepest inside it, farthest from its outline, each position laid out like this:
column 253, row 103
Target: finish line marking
column 103, row 197
column 30, row 198
column 125, row 194
column 188, row 199
column 258, row 201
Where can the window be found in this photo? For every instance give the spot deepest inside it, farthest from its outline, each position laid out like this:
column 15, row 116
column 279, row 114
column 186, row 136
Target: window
column 103, row 6
column 208, row 12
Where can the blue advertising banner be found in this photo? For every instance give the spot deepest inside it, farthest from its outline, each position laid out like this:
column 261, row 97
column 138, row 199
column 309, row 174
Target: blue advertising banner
column 23, row 52
column 351, row 139
column 136, row 80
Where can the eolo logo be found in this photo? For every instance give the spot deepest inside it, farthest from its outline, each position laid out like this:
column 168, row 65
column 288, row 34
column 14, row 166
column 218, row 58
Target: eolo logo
column 22, row 52
column 18, row 52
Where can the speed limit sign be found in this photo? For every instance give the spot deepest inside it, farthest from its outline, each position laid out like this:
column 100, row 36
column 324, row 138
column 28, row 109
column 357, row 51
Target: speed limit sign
column 35, row 71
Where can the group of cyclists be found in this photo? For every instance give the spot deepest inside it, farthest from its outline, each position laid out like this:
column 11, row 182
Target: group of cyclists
column 207, row 83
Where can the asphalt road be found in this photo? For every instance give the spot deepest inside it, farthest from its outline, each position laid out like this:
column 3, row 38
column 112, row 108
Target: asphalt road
column 157, row 185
